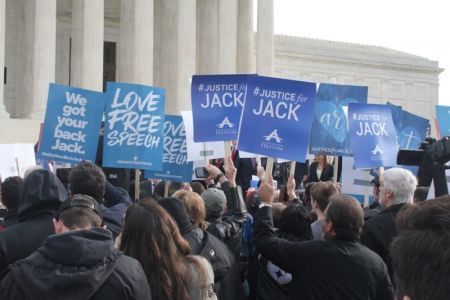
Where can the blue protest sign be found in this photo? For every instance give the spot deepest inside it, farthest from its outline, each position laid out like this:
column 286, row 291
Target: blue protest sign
column 175, row 164
column 72, row 124
column 277, row 117
column 134, row 126
column 330, row 134
column 372, row 135
column 217, row 102
column 443, row 117
column 410, row 129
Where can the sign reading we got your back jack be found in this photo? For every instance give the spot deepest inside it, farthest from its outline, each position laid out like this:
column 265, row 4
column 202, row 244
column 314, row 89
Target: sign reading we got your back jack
column 134, row 126
column 277, row 117
column 372, row 135
column 217, row 102
column 72, row 124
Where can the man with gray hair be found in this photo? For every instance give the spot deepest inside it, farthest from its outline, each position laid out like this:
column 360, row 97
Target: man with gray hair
column 397, row 189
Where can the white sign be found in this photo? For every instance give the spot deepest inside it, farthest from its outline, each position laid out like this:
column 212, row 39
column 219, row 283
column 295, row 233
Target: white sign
column 200, row 151
column 16, row 159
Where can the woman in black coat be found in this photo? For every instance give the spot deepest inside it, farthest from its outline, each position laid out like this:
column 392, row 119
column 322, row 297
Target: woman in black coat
column 320, row 170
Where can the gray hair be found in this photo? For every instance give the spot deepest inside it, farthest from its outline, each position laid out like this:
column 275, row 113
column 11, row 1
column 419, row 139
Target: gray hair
column 402, row 183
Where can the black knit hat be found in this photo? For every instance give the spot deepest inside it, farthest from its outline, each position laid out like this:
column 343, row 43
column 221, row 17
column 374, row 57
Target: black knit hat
column 177, row 210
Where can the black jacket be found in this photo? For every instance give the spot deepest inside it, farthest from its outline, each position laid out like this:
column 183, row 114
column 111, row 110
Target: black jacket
column 41, row 196
column 333, row 269
column 228, row 228
column 245, row 170
column 80, row 264
column 327, row 173
column 379, row 231
column 10, row 218
column 116, row 204
column 226, row 273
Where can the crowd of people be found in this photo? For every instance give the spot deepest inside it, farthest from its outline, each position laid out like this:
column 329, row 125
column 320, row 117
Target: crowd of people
column 222, row 239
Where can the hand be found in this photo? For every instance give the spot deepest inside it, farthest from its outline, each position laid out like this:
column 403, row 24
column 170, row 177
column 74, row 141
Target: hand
column 213, row 171
column 230, row 171
column 291, row 188
column 261, row 173
column 266, row 191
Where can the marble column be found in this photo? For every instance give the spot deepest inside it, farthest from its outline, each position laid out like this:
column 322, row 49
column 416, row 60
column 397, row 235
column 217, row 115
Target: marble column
column 208, row 39
column 87, row 44
column 265, row 39
column 135, row 57
column 227, row 32
column 2, row 58
column 245, row 37
column 42, row 68
column 175, row 51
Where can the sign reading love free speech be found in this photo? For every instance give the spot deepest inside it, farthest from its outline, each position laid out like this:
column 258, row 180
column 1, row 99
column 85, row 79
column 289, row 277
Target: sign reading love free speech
column 372, row 135
column 176, row 167
column 331, row 135
column 72, row 124
column 134, row 129
column 217, row 102
column 277, row 117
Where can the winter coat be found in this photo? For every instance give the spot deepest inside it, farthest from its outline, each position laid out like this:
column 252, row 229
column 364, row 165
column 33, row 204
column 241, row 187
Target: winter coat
column 226, row 273
column 10, row 218
column 274, row 282
column 228, row 228
column 114, row 207
column 334, row 269
column 81, row 264
column 41, row 196
column 379, row 231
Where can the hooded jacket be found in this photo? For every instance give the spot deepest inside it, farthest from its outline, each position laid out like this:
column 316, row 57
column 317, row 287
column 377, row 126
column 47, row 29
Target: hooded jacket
column 81, row 264
column 40, row 198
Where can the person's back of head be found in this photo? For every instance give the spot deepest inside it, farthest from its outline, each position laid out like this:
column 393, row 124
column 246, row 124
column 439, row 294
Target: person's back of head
column 344, row 218
column 397, row 186
column 78, row 212
column 197, row 187
column 215, row 203
column 42, row 193
column 195, row 207
column 10, row 191
column 87, row 179
column 296, row 222
column 321, row 193
column 421, row 193
column 421, row 251
column 152, row 237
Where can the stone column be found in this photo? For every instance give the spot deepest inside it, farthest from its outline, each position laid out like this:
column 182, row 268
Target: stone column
column 265, row 39
column 42, row 69
column 227, row 36
column 175, row 51
column 2, row 58
column 135, row 58
column 87, row 44
column 245, row 37
column 207, row 54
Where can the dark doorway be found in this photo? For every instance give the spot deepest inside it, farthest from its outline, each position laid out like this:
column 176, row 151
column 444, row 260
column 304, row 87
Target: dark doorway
column 109, row 63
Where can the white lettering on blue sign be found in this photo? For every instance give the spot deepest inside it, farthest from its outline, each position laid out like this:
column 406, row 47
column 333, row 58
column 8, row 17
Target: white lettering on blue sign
column 282, row 110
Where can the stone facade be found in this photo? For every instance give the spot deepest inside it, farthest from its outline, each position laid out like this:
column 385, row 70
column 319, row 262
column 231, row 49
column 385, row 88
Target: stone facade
column 403, row 79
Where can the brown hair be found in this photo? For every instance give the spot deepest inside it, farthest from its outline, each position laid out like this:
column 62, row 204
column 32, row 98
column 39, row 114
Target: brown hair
column 347, row 216
column 152, row 237
column 277, row 210
column 195, row 207
column 321, row 193
column 421, row 251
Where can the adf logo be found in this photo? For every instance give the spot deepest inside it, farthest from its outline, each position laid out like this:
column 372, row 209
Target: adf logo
column 224, row 123
column 377, row 150
column 273, row 136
